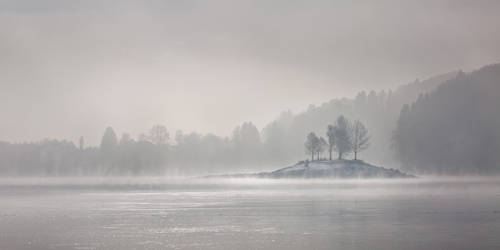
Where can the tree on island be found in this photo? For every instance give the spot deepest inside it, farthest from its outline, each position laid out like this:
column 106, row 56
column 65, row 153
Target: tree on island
column 342, row 134
column 312, row 144
column 360, row 138
column 331, row 139
column 323, row 145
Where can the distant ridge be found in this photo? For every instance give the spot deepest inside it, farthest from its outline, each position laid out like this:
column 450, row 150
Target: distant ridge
column 408, row 93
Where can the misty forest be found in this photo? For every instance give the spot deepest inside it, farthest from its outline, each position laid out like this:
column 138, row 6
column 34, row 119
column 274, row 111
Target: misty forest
column 447, row 124
column 249, row 124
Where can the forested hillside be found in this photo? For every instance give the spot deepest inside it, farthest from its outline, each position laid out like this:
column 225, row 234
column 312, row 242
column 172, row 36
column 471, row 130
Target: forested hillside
column 454, row 129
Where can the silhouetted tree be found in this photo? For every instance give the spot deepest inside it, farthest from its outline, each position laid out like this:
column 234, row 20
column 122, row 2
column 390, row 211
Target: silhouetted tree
column 312, row 144
column 331, row 139
column 109, row 140
column 322, row 146
column 360, row 138
column 342, row 132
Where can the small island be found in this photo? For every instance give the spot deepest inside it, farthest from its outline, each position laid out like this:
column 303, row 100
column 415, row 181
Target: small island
column 334, row 169
column 344, row 138
column 345, row 169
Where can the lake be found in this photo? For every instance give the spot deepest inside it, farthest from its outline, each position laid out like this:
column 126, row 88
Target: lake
column 189, row 213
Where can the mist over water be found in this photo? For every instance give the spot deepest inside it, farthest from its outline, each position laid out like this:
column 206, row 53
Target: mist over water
column 249, row 124
column 194, row 213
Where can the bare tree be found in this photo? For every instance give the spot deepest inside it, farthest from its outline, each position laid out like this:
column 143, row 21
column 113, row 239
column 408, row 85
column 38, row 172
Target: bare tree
column 360, row 138
column 158, row 135
column 312, row 144
column 342, row 132
column 322, row 146
column 331, row 139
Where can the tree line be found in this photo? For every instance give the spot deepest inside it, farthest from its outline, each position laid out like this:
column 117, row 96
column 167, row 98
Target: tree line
column 344, row 137
column 453, row 129
column 156, row 152
column 151, row 153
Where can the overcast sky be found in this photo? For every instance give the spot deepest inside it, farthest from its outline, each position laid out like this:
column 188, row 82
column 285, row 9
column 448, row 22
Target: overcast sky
column 71, row 68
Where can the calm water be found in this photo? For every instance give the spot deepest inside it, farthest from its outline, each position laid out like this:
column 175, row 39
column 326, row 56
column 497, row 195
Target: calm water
column 249, row 214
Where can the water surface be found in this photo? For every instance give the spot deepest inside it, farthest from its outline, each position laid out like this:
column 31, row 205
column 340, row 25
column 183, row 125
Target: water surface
column 159, row 213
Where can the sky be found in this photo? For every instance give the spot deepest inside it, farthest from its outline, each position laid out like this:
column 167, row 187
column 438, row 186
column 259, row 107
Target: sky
column 72, row 68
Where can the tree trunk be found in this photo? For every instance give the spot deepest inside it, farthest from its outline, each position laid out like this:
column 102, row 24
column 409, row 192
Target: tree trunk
column 330, row 154
column 355, row 155
column 312, row 156
column 340, row 155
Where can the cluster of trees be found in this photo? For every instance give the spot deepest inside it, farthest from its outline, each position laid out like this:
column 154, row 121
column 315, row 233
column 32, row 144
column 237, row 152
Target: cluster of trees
column 454, row 129
column 344, row 137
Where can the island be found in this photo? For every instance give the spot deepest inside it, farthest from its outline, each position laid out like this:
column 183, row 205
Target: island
column 345, row 169
column 344, row 137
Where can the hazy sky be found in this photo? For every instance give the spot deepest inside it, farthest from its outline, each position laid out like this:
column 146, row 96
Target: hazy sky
column 71, row 68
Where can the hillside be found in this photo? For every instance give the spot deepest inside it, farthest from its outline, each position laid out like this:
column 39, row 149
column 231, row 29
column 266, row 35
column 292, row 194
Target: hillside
column 454, row 129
